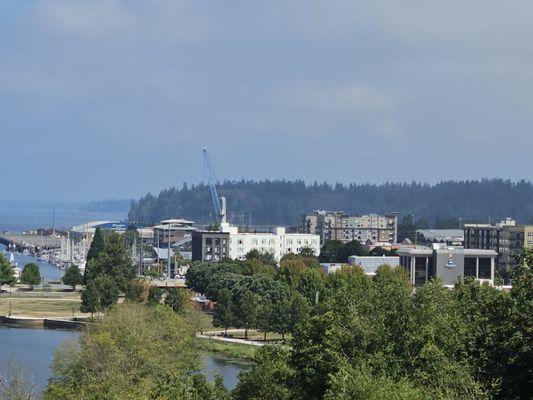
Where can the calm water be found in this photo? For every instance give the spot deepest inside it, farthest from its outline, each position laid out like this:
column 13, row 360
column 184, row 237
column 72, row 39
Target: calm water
column 34, row 350
column 48, row 271
column 18, row 216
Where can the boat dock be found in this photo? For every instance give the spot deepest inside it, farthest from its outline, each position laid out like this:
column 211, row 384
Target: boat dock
column 30, row 242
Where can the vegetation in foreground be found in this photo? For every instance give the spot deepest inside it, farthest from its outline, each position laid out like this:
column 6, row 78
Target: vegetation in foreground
column 133, row 352
column 373, row 338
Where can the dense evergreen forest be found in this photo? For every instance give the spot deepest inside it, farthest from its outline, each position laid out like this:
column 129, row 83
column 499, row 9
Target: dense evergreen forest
column 283, row 202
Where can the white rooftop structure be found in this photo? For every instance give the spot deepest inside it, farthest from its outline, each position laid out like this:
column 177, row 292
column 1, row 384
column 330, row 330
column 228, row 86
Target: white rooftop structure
column 176, row 221
column 92, row 225
column 370, row 264
column 442, row 235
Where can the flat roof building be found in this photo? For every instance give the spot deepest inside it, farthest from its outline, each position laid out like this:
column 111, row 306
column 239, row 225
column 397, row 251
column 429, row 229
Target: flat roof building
column 447, row 263
column 337, row 225
column 230, row 243
column 506, row 238
column 178, row 231
column 210, row 246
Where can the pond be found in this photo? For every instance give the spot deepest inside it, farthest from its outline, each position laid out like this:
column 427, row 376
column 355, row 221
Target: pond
column 34, row 350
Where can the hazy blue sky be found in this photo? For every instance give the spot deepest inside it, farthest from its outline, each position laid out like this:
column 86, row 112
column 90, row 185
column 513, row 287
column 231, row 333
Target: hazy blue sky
column 111, row 98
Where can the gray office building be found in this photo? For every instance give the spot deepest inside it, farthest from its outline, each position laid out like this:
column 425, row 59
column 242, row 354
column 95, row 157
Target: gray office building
column 447, row 263
column 210, row 246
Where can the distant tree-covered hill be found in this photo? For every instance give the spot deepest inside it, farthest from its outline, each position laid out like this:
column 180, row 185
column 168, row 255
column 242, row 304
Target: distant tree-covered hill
column 283, row 202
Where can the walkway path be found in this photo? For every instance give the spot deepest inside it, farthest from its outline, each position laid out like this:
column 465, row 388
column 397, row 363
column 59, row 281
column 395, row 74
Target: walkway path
column 231, row 340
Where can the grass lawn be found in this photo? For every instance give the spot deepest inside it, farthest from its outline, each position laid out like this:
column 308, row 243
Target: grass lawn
column 40, row 304
column 243, row 352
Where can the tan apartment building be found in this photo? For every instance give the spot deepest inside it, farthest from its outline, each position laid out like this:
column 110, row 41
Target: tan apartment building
column 337, row 225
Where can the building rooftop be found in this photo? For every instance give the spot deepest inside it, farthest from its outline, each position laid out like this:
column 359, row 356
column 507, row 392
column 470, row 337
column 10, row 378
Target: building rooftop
column 92, row 225
column 422, row 251
column 176, row 221
column 441, row 234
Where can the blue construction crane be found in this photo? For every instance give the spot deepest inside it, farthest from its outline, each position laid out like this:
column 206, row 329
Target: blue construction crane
column 220, row 210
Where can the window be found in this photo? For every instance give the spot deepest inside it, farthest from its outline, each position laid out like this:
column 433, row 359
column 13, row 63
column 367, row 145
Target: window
column 484, row 268
column 470, row 266
column 420, row 270
column 431, row 268
column 208, row 241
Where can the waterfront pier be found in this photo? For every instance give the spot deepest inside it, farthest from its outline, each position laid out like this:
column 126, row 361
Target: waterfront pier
column 30, row 242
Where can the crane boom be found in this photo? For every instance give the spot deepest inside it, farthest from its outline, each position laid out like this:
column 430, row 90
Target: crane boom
column 211, row 181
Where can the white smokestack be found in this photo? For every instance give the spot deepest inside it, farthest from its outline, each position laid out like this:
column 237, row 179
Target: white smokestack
column 222, row 210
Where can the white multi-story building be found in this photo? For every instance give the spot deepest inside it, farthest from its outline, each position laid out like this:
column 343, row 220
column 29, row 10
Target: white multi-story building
column 234, row 244
column 278, row 242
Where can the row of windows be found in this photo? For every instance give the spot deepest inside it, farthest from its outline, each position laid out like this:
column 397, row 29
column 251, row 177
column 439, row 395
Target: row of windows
column 271, row 242
column 426, row 263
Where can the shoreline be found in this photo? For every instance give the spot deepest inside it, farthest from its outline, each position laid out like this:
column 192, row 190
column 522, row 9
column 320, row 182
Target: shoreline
column 14, row 321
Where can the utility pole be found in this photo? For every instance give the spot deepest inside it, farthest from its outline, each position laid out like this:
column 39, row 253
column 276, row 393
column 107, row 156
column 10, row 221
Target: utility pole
column 140, row 252
column 168, row 263
column 158, row 261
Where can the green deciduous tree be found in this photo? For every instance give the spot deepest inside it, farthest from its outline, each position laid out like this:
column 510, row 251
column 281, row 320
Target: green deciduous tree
column 280, row 316
column 311, row 285
column 299, row 311
column 330, row 251
column 133, row 352
column 177, row 299
column 353, row 248
column 31, row 275
column 72, row 277
column 6, row 272
column 358, row 383
column 155, row 294
column 136, row 291
column 225, row 310
column 247, row 309
column 307, row 252
column 266, row 258
column 269, row 379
